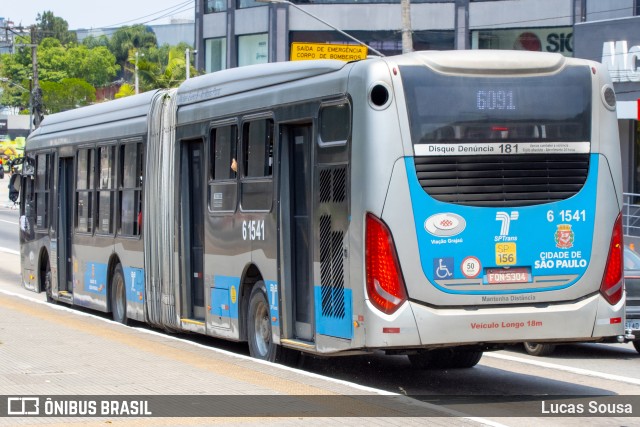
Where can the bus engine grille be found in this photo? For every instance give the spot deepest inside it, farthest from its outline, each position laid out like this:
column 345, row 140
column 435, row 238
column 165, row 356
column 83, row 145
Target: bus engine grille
column 511, row 180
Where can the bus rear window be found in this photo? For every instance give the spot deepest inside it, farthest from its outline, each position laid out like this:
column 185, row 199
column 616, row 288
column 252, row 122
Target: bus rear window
column 454, row 109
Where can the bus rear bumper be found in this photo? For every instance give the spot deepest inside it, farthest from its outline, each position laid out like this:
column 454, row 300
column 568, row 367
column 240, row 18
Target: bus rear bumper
column 590, row 319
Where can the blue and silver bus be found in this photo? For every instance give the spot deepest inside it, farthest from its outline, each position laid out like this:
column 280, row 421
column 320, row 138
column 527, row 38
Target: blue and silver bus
column 433, row 204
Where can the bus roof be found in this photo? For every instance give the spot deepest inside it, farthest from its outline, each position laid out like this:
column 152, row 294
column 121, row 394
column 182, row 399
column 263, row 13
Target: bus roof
column 105, row 112
column 243, row 79
column 487, row 61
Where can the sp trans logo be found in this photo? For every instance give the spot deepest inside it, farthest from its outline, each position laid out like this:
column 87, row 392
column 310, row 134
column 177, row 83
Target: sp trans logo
column 505, row 219
column 70, row 406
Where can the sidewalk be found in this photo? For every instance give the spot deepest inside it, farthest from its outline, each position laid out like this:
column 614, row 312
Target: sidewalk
column 53, row 351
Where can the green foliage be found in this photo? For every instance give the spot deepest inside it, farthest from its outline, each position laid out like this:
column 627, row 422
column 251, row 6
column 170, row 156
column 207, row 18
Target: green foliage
column 125, row 90
column 92, row 41
column 67, row 94
column 49, row 25
column 162, row 67
column 127, row 38
column 69, row 72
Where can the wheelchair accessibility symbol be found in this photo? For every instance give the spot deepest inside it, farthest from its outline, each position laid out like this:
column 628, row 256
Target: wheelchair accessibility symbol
column 443, row 268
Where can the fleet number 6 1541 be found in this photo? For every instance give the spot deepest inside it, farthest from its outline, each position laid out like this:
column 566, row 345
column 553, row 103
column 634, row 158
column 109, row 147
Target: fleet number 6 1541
column 568, row 215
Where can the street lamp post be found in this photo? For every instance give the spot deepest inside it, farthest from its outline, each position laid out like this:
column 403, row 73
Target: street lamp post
column 295, row 6
column 187, row 61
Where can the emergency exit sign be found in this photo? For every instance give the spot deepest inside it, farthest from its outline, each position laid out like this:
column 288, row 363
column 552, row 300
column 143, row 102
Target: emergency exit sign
column 342, row 52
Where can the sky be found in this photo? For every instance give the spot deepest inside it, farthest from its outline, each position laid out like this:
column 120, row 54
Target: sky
column 98, row 14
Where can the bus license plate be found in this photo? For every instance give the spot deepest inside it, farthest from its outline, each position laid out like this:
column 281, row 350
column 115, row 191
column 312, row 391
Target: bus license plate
column 632, row 324
column 497, row 276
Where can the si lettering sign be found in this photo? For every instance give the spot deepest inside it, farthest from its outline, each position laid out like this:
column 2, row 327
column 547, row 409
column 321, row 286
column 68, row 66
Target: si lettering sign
column 341, row 52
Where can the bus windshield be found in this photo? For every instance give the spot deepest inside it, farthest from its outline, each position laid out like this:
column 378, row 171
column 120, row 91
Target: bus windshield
column 452, row 109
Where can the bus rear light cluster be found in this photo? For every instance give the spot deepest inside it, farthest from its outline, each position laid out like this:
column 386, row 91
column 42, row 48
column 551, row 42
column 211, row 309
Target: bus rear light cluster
column 385, row 285
column 612, row 284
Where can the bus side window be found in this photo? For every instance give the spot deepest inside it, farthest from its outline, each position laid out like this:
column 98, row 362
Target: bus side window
column 42, row 189
column 223, row 151
column 130, row 188
column 258, row 148
column 335, row 124
column 257, row 165
column 85, row 184
column 106, row 189
column 223, row 172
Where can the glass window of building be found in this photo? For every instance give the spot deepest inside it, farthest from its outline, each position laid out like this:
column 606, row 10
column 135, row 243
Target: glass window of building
column 242, row 4
column 253, row 49
column 213, row 6
column 216, row 54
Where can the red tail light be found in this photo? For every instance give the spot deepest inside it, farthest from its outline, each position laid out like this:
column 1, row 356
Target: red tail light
column 385, row 285
column 611, row 287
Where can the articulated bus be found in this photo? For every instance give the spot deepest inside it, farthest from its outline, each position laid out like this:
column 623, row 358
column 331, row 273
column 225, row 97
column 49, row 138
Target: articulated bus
column 433, row 204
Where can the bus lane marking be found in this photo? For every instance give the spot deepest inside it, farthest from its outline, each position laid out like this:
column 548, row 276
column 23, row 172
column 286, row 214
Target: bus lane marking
column 578, row 371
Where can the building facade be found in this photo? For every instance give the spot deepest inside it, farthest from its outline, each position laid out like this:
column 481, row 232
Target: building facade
column 232, row 33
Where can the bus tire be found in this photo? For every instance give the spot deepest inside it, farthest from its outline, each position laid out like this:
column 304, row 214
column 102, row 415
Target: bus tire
column 48, row 291
column 636, row 345
column 118, row 296
column 260, row 332
column 446, row 358
column 539, row 349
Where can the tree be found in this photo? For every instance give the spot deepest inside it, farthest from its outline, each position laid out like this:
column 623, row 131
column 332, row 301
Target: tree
column 127, row 38
column 162, row 67
column 97, row 65
column 67, row 94
column 49, row 25
column 93, row 41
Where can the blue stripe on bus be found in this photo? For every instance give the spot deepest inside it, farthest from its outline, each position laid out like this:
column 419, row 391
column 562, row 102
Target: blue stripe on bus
column 224, row 296
column 95, row 278
column 134, row 283
column 335, row 319
column 485, row 230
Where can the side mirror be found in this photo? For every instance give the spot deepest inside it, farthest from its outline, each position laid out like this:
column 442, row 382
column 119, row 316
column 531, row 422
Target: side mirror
column 15, row 183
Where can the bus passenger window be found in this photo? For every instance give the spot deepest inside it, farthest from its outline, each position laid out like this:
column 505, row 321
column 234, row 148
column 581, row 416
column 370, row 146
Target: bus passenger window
column 106, row 189
column 85, row 184
column 258, row 148
column 131, row 162
column 42, row 189
column 335, row 124
column 223, row 152
column 257, row 165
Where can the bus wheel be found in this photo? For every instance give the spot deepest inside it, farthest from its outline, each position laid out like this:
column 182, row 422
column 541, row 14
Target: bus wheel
column 47, row 284
column 118, row 296
column 537, row 349
column 261, row 345
column 260, row 333
column 446, row 358
column 636, row 345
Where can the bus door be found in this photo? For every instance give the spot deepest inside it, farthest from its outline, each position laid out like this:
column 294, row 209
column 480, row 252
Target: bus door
column 296, row 228
column 192, row 217
column 65, row 224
